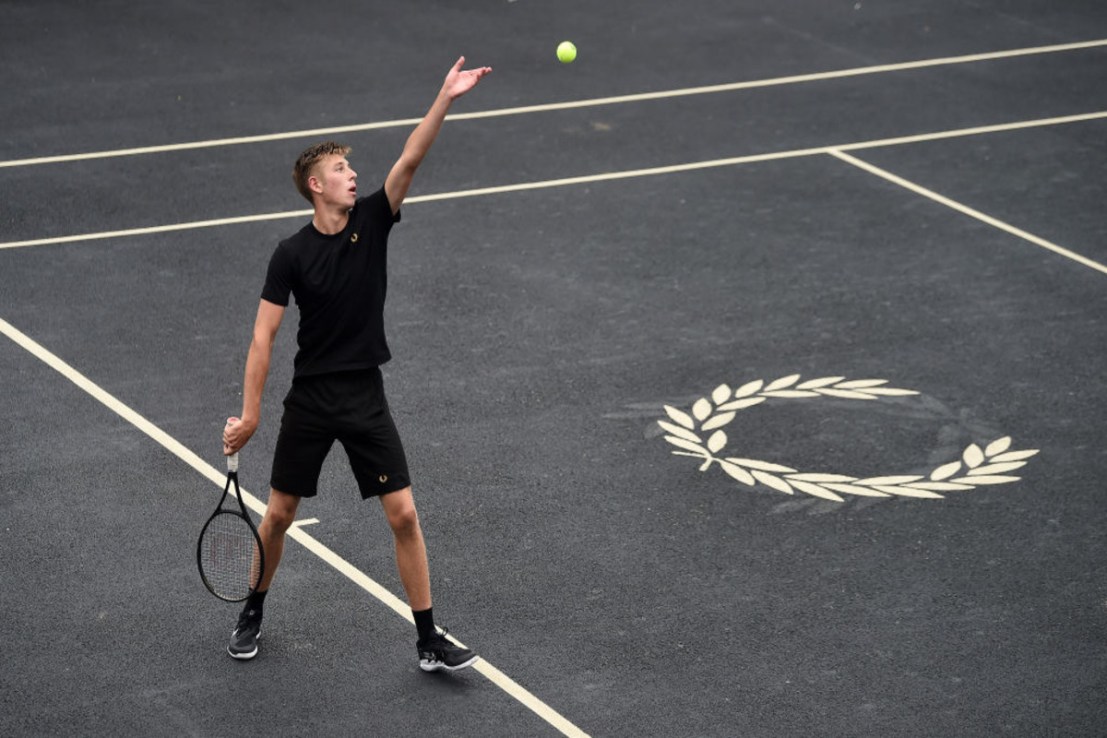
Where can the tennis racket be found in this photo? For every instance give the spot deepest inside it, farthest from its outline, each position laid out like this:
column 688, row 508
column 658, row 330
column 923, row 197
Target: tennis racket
column 229, row 551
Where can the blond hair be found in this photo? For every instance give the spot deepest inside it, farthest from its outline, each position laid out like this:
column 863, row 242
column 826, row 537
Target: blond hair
column 302, row 171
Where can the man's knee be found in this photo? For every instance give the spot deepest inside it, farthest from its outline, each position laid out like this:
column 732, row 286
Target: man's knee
column 400, row 509
column 280, row 512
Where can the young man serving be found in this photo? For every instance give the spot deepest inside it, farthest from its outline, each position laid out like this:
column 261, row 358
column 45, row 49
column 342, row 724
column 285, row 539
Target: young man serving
column 335, row 268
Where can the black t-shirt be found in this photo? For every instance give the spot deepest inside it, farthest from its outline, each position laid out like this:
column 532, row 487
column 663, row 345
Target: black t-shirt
column 339, row 283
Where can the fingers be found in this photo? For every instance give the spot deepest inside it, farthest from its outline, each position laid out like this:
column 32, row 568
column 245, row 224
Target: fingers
column 478, row 72
column 231, row 432
column 233, row 445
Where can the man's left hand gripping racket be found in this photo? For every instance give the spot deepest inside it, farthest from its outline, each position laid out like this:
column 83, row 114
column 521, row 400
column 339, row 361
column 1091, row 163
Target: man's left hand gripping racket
column 229, row 552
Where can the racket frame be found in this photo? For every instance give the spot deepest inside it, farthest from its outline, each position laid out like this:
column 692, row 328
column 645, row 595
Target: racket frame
column 232, row 479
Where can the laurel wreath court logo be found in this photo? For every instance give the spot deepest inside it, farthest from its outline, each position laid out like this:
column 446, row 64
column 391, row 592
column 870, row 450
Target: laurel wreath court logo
column 701, row 436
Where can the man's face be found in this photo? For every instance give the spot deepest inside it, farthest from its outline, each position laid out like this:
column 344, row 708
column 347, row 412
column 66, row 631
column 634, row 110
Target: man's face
column 338, row 181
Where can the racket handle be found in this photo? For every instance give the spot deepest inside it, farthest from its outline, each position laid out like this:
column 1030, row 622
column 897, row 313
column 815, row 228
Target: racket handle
column 232, row 460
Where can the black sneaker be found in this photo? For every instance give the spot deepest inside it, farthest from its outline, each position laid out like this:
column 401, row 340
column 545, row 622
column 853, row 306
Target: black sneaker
column 244, row 640
column 437, row 653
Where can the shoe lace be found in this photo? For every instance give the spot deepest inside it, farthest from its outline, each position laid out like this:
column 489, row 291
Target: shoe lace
column 247, row 618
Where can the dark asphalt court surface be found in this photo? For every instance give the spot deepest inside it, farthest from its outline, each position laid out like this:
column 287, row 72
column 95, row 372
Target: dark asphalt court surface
column 538, row 335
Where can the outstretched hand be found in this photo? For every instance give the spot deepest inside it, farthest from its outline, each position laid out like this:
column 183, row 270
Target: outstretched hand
column 460, row 81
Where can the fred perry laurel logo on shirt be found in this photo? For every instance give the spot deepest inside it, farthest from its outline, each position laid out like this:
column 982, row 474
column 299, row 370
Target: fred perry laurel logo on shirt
column 353, row 238
column 699, row 436
column 383, row 478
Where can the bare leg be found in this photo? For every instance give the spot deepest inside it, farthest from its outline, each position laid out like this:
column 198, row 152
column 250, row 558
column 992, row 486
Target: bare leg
column 279, row 514
column 411, row 551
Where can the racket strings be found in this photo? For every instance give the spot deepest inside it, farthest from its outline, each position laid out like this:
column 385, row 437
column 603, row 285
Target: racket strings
column 229, row 557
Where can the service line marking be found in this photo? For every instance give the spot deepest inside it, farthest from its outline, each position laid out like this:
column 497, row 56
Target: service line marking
column 569, row 105
column 971, row 212
column 835, row 150
column 344, row 567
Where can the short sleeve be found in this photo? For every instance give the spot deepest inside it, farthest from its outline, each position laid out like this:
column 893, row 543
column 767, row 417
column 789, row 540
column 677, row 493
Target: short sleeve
column 278, row 278
column 380, row 210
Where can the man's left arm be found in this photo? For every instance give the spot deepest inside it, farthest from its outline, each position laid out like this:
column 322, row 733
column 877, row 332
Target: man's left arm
column 457, row 83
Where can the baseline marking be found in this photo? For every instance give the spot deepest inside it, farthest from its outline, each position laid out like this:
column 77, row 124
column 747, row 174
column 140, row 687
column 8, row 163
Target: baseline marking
column 592, row 102
column 971, row 212
column 344, row 567
column 584, row 179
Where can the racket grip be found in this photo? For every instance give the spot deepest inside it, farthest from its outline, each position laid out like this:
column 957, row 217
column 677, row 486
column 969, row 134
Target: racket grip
column 232, row 460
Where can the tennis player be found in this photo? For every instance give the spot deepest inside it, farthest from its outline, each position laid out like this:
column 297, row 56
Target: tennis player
column 335, row 268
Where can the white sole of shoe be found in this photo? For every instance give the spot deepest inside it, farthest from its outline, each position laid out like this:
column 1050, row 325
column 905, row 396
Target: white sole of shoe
column 439, row 666
column 246, row 655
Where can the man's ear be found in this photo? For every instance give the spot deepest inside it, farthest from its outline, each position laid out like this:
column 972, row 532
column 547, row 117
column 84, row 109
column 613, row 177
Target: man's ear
column 315, row 185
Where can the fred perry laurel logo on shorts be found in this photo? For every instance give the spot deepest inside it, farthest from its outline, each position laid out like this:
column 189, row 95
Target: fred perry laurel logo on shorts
column 700, row 436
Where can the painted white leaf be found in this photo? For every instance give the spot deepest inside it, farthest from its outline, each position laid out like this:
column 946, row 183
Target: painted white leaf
column 681, row 443
column 992, row 469
column 877, row 481
column 890, row 392
column 742, row 404
column 987, row 480
column 820, row 382
column 998, row 446
column 716, row 442
column 815, row 490
column 681, row 417
column 853, row 489
column 789, row 393
column 738, row 473
column 946, row 471
column 701, row 409
column 721, row 394
column 718, row 421
column 973, row 456
column 775, row 482
column 782, row 383
column 749, row 388
column 680, row 432
column 1014, row 456
column 910, row 492
column 940, row 486
column 762, row 465
column 822, row 478
column 846, row 394
column 862, row 383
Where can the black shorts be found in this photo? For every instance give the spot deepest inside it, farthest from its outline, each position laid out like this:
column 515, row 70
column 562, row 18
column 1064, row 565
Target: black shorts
column 350, row 408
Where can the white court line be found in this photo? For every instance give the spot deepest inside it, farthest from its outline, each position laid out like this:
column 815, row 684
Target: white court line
column 574, row 104
column 159, row 229
column 590, row 178
column 984, row 218
column 344, row 567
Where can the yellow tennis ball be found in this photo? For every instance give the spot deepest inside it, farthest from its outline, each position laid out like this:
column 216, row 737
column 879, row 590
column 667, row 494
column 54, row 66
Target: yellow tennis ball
column 566, row 52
